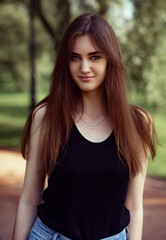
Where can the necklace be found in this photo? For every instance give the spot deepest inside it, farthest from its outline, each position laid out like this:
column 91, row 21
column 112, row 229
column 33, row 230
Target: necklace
column 93, row 126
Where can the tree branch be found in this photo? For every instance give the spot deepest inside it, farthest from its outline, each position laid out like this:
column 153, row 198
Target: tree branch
column 44, row 21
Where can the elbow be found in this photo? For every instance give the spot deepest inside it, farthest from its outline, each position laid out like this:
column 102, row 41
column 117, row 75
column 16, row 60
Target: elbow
column 135, row 206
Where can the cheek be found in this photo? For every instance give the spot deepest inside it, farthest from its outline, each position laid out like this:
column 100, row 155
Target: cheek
column 101, row 67
column 73, row 68
column 102, row 70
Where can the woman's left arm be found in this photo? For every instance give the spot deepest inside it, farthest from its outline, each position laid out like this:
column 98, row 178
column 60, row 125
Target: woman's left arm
column 134, row 202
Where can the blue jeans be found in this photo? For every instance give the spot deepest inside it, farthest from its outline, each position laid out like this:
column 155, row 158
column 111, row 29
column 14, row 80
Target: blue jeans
column 41, row 232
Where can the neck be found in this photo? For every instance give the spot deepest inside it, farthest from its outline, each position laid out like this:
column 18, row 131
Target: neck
column 93, row 105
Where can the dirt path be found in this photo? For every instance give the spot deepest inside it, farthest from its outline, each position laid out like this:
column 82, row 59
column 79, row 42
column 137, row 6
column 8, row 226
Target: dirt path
column 11, row 177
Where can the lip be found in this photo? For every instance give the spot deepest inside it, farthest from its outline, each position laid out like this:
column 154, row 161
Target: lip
column 86, row 78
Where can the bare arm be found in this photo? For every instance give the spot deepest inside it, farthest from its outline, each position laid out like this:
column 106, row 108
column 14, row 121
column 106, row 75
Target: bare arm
column 33, row 185
column 134, row 203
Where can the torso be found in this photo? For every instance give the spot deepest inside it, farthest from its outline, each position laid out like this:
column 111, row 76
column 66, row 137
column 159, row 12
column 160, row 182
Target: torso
column 86, row 193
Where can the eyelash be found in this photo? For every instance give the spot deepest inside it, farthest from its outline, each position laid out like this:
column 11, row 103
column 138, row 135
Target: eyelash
column 93, row 58
column 74, row 58
column 96, row 57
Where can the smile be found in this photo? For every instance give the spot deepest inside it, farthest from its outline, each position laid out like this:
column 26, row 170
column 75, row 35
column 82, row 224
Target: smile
column 86, row 78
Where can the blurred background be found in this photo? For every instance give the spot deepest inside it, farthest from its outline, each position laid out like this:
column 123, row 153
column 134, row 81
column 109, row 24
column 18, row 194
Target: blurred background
column 30, row 31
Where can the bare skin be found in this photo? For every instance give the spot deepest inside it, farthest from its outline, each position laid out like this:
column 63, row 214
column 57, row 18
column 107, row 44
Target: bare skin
column 33, row 185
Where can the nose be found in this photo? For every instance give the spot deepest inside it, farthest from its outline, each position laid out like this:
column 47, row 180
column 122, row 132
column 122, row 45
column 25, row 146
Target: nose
column 85, row 66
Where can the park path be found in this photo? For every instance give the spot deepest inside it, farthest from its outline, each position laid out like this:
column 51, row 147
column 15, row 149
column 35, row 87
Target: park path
column 12, row 168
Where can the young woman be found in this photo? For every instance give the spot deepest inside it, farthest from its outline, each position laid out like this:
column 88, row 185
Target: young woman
column 89, row 141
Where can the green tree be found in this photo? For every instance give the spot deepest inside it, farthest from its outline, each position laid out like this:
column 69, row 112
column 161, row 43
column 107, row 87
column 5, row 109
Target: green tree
column 14, row 42
column 142, row 40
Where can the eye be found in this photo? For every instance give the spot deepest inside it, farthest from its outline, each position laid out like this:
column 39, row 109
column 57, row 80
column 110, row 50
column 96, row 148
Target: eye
column 74, row 58
column 96, row 57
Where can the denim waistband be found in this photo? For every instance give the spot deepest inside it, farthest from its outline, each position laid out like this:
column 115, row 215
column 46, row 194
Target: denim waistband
column 42, row 232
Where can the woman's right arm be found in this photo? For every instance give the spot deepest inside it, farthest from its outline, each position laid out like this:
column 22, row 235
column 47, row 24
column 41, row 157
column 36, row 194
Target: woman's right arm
column 33, row 184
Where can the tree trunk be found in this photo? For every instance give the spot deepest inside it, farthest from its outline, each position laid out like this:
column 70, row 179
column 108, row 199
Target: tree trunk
column 32, row 54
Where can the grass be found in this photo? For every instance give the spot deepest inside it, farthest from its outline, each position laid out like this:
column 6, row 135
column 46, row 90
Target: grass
column 158, row 166
column 14, row 111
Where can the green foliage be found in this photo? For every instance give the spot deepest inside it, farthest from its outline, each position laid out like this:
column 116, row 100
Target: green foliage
column 143, row 46
column 14, row 108
column 14, row 53
column 143, row 37
column 14, row 111
column 14, row 40
column 156, row 87
column 158, row 166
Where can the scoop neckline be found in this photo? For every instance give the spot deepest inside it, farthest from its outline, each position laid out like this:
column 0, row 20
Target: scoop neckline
column 87, row 140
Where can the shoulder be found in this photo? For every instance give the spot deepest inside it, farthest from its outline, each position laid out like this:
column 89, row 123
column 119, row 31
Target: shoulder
column 39, row 111
column 38, row 116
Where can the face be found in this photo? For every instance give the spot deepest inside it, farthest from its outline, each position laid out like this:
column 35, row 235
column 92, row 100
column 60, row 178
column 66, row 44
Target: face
column 87, row 65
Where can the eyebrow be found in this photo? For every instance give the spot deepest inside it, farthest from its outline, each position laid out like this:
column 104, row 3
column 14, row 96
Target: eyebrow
column 89, row 54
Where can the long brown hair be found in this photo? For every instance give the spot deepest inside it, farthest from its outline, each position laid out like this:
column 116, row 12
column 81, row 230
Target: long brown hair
column 133, row 127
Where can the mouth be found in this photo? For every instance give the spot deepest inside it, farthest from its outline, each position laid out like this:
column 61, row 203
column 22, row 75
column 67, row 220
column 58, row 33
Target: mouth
column 86, row 78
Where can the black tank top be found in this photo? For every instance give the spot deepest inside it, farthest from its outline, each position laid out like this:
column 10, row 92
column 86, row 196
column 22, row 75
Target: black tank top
column 86, row 193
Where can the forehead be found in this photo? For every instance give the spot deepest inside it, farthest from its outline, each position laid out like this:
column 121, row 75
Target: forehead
column 84, row 43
